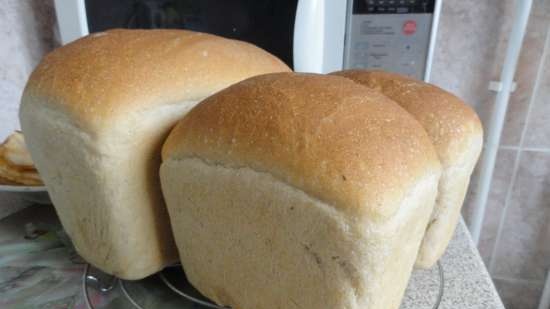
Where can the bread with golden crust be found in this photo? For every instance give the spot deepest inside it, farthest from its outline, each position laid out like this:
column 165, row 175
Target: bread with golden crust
column 95, row 114
column 299, row 191
column 457, row 135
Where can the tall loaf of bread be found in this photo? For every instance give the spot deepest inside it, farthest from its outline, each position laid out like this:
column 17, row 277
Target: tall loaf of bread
column 299, row 191
column 457, row 135
column 95, row 114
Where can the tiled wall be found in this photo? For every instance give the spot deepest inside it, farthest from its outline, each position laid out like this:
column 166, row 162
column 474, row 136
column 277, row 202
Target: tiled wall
column 515, row 242
column 26, row 34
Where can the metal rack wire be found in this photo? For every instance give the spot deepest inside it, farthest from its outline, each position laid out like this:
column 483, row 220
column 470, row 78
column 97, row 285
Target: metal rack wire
column 112, row 283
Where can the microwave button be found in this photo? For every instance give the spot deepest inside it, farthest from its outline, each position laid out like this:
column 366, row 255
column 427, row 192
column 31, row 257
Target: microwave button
column 381, row 44
column 409, row 27
column 361, row 45
column 360, row 55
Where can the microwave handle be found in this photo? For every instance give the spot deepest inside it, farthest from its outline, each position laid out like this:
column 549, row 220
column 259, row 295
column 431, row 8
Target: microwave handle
column 309, row 30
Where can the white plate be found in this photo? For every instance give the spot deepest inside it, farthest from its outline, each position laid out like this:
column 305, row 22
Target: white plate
column 34, row 194
column 22, row 188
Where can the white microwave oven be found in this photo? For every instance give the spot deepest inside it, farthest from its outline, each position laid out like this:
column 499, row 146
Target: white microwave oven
column 317, row 36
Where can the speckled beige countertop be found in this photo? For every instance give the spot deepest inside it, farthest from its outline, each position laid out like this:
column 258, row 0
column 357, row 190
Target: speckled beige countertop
column 43, row 273
column 467, row 282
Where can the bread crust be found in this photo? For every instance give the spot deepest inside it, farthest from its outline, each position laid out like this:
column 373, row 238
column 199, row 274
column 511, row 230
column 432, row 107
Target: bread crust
column 455, row 131
column 451, row 124
column 95, row 113
column 299, row 191
column 338, row 141
column 105, row 75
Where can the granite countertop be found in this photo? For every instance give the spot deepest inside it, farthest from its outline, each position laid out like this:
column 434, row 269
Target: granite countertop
column 468, row 284
column 46, row 273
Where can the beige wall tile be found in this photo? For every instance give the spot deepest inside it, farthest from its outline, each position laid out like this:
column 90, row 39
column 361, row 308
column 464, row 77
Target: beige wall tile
column 499, row 186
column 464, row 60
column 541, row 8
column 526, row 73
column 519, row 294
column 470, row 51
column 26, row 33
column 523, row 250
column 538, row 128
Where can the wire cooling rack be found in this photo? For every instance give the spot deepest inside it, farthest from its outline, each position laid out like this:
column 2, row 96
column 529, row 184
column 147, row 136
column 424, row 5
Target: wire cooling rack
column 170, row 289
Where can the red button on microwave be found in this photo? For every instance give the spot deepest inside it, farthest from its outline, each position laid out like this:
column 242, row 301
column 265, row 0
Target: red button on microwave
column 409, row 27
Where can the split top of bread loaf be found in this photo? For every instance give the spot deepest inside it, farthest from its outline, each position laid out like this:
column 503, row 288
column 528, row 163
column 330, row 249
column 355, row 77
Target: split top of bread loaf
column 106, row 75
column 452, row 125
column 336, row 140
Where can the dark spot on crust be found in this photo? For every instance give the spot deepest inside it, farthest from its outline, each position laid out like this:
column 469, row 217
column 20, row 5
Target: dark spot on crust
column 317, row 258
column 430, row 224
column 295, row 303
column 344, row 177
column 314, row 254
column 348, row 269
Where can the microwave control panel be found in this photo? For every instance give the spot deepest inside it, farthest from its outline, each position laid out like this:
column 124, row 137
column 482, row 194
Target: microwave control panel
column 390, row 35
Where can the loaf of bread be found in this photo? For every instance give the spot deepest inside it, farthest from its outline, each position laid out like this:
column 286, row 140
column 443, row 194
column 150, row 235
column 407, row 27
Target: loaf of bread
column 299, row 191
column 95, row 114
column 457, row 135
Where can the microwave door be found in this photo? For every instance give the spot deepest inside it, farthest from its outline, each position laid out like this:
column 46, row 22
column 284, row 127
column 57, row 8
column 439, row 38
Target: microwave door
column 268, row 24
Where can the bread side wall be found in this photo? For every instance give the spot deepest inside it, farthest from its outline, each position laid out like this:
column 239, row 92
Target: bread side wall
column 105, row 187
column 453, row 186
column 248, row 240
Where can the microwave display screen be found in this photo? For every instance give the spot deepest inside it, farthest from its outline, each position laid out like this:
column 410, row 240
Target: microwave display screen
column 266, row 23
column 393, row 6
